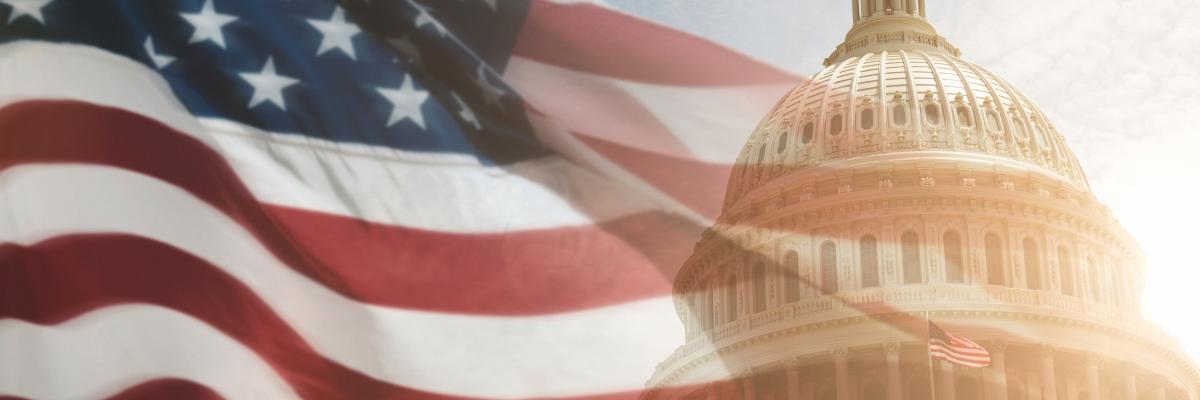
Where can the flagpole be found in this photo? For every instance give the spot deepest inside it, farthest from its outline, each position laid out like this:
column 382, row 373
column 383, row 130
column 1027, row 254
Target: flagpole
column 929, row 356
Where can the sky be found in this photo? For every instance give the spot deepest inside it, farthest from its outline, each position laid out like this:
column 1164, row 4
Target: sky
column 1120, row 79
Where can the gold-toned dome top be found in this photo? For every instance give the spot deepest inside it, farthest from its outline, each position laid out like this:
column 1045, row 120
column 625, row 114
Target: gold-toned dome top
column 896, row 87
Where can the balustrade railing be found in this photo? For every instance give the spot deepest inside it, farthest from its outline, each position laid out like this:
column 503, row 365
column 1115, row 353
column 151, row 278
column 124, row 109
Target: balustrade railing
column 963, row 296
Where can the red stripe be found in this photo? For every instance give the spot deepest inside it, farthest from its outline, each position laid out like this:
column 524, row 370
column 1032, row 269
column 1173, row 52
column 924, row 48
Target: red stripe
column 175, row 389
column 61, row 278
column 598, row 40
column 516, row 273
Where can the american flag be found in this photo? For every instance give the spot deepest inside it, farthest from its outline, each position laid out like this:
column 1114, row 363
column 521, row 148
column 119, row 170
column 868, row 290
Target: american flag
column 366, row 199
column 956, row 349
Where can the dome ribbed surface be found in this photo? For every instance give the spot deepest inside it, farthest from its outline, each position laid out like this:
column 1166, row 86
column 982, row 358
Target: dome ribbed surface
column 901, row 101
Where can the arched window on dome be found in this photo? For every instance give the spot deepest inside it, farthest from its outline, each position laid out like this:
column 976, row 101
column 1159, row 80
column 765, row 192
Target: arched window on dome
column 933, row 113
column 730, row 299
column 829, row 277
column 782, row 144
column 910, row 253
column 899, row 115
column 1018, row 127
column 807, row 133
column 963, row 113
column 866, row 119
column 953, row 256
column 993, row 253
column 791, row 277
column 837, row 123
column 762, row 153
column 758, row 279
column 1033, row 266
column 1066, row 271
column 993, row 120
column 868, row 255
column 1039, row 133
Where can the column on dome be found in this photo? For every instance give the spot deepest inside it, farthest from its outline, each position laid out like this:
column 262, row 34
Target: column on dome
column 854, row 8
column 1130, row 384
column 911, row 6
column 841, row 374
column 879, row 7
column 748, row 389
column 921, row 7
column 792, row 369
column 1092, row 369
column 1049, row 383
column 894, row 387
column 946, row 386
column 1000, row 371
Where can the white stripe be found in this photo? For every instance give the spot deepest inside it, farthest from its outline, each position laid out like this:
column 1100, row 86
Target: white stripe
column 712, row 123
column 434, row 192
column 599, row 350
column 103, row 352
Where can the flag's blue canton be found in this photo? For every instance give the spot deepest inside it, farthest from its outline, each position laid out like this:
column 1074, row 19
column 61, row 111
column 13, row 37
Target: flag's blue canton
column 410, row 76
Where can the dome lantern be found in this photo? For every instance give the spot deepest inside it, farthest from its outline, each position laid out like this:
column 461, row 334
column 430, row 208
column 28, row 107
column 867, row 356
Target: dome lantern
column 888, row 25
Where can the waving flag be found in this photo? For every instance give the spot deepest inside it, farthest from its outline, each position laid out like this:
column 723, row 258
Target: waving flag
column 956, row 349
column 306, row 199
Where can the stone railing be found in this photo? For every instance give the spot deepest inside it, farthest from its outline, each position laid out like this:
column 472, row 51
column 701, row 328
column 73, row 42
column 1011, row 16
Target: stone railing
column 866, row 40
column 966, row 297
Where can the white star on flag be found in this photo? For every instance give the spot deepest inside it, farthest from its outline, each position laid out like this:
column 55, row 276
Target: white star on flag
column 336, row 33
column 30, row 8
column 207, row 24
column 424, row 18
column 268, row 86
column 160, row 60
column 406, row 103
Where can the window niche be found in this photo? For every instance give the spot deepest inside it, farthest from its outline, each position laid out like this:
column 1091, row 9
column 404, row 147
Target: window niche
column 868, row 248
column 829, row 277
column 807, row 133
column 910, row 252
column 866, row 119
column 837, row 124
column 933, row 113
column 953, row 257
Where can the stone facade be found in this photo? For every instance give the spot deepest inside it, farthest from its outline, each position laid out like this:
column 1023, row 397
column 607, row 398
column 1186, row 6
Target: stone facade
column 901, row 184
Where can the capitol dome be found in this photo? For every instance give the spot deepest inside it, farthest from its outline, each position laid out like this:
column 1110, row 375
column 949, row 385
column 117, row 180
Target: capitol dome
column 903, row 183
column 895, row 86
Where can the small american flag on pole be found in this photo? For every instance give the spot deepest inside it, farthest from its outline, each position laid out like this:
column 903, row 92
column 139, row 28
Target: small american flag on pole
column 956, row 349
